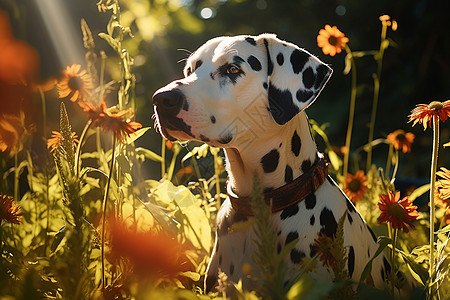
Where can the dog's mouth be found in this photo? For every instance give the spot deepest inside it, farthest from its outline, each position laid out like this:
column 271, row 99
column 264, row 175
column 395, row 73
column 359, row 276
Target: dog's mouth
column 172, row 128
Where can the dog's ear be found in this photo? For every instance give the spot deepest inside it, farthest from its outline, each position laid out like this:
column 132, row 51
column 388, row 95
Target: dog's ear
column 295, row 77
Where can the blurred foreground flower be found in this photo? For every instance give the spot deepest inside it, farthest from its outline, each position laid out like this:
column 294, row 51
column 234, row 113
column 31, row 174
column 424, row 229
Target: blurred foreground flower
column 386, row 21
column 9, row 211
column 114, row 122
column 401, row 140
column 424, row 113
column 326, row 250
column 331, row 40
column 397, row 212
column 11, row 129
column 74, row 83
column 355, row 186
column 150, row 253
column 55, row 141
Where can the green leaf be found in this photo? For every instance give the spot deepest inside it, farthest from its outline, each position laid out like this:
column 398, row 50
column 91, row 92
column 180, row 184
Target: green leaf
column 334, row 160
column 417, row 271
column 110, row 40
column 124, row 163
column 383, row 241
column 134, row 136
column 149, row 154
column 419, row 192
column 58, row 238
column 444, row 230
column 191, row 275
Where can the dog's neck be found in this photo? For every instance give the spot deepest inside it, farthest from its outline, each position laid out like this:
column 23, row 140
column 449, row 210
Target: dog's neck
column 275, row 160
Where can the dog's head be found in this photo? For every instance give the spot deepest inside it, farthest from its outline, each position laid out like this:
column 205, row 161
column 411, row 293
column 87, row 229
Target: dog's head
column 238, row 88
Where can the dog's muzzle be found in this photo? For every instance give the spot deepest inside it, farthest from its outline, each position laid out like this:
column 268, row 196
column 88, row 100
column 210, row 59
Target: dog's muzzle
column 167, row 105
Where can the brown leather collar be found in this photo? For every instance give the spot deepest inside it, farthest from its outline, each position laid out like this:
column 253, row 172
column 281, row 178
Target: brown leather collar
column 286, row 195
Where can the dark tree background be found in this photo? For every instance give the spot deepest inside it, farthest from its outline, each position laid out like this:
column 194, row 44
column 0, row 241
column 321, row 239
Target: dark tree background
column 416, row 68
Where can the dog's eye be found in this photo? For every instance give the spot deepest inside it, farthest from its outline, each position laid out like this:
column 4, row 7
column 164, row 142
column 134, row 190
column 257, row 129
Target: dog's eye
column 233, row 69
column 188, row 72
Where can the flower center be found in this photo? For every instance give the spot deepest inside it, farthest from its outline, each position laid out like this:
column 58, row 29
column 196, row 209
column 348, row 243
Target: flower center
column 332, row 40
column 435, row 105
column 75, row 83
column 401, row 137
column 354, row 185
column 397, row 211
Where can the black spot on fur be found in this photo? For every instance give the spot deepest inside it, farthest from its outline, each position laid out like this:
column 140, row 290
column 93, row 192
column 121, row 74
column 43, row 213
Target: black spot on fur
column 279, row 248
column 310, row 201
column 279, row 232
column 304, row 95
column 351, row 261
column 296, row 256
column 211, row 75
column 213, row 119
column 254, row 63
column 322, row 71
column 306, row 165
column 328, row 222
column 289, row 212
column 269, row 161
column 372, row 234
column 225, row 139
column 291, row 236
column 231, row 269
column 382, row 274
column 368, row 252
column 350, row 206
column 298, row 60
column 198, row 64
column 288, row 177
column 308, row 78
column 280, row 59
column 312, row 220
column 349, row 217
column 251, row 40
column 269, row 60
column 204, row 138
column 281, row 104
column 265, row 86
column 296, row 144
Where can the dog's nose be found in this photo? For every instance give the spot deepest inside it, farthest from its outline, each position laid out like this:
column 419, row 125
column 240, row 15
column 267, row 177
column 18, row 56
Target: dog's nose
column 169, row 101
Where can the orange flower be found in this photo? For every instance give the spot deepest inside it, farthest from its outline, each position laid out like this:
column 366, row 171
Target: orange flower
column 355, row 186
column 424, row 113
column 74, row 83
column 185, row 171
column 149, row 253
column 324, row 245
column 55, row 141
column 11, row 129
column 331, row 40
column 114, row 122
column 443, row 186
column 9, row 211
column 397, row 212
column 401, row 140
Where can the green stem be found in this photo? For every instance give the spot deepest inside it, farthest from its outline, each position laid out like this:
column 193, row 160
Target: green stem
column 389, row 160
column 217, row 176
column 394, row 243
column 104, row 205
column 80, row 144
column 163, row 156
column 376, row 93
column 351, row 113
column 44, row 112
column 434, row 158
column 16, row 177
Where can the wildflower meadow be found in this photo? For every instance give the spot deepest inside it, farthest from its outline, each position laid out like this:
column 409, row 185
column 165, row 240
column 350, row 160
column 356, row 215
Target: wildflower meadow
column 94, row 204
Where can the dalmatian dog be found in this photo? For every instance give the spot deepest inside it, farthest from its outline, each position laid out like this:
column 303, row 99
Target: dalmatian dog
column 247, row 94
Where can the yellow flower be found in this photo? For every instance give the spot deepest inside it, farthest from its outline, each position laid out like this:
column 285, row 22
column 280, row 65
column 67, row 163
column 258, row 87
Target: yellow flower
column 355, row 186
column 331, row 40
column 424, row 113
column 74, row 83
column 401, row 140
column 9, row 211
